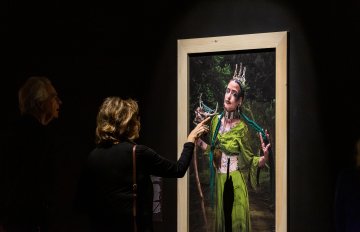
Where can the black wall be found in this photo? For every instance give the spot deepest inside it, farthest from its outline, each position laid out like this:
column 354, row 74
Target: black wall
column 93, row 50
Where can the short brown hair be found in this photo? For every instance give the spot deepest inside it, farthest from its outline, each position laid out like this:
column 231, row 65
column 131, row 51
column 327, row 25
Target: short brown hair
column 117, row 119
column 32, row 94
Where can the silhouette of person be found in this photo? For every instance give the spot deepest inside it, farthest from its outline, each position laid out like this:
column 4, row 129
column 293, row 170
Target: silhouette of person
column 347, row 196
column 105, row 191
column 27, row 163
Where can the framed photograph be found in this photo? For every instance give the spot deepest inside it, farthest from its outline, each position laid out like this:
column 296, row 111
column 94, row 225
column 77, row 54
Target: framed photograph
column 238, row 175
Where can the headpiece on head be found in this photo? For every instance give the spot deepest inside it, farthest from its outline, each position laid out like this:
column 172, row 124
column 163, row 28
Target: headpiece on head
column 239, row 75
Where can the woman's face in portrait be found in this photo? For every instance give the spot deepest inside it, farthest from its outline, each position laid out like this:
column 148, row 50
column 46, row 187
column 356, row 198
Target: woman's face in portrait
column 231, row 100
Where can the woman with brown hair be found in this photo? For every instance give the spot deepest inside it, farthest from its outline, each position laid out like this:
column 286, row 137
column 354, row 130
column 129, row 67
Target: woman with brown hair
column 108, row 182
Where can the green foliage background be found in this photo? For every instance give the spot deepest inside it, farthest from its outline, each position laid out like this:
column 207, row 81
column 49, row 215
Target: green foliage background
column 210, row 74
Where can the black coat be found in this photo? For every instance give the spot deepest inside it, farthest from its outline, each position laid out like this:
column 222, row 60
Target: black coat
column 106, row 186
column 26, row 172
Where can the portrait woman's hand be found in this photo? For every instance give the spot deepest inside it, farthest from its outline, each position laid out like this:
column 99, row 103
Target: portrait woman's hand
column 264, row 149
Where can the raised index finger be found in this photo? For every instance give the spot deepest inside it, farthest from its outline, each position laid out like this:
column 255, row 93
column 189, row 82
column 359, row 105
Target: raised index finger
column 205, row 120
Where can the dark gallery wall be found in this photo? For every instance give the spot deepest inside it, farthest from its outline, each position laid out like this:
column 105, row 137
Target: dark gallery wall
column 93, row 50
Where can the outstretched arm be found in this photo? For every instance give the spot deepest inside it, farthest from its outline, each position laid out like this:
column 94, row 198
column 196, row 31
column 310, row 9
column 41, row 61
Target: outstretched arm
column 162, row 167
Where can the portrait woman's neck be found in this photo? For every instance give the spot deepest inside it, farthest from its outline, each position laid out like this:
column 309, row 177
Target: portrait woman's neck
column 230, row 115
column 229, row 120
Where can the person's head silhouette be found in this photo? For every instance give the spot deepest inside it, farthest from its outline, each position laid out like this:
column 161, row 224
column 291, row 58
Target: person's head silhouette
column 38, row 98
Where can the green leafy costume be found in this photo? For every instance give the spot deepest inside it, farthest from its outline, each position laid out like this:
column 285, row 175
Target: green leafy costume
column 235, row 142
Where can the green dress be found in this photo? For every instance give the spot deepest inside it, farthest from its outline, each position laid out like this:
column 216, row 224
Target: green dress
column 235, row 142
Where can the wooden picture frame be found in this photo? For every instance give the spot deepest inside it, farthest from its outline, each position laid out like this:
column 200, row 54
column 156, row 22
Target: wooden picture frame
column 275, row 42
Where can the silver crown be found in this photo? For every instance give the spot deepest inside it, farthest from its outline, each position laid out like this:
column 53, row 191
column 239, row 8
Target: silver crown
column 239, row 75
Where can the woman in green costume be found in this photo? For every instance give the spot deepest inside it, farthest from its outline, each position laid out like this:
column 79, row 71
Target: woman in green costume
column 230, row 152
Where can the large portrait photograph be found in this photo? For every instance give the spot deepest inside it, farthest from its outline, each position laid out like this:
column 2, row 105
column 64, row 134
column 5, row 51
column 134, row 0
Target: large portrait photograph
column 237, row 179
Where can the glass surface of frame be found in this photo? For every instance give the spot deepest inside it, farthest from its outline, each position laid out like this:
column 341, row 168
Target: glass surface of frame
column 205, row 66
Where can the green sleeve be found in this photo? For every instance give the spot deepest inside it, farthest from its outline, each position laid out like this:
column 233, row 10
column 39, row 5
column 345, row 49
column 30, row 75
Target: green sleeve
column 247, row 157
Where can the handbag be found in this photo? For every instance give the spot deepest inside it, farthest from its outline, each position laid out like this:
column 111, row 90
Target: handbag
column 134, row 186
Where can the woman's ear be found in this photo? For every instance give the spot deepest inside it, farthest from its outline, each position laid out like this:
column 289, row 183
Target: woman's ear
column 240, row 102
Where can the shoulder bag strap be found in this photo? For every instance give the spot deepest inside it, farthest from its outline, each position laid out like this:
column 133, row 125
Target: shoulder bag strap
column 134, row 186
